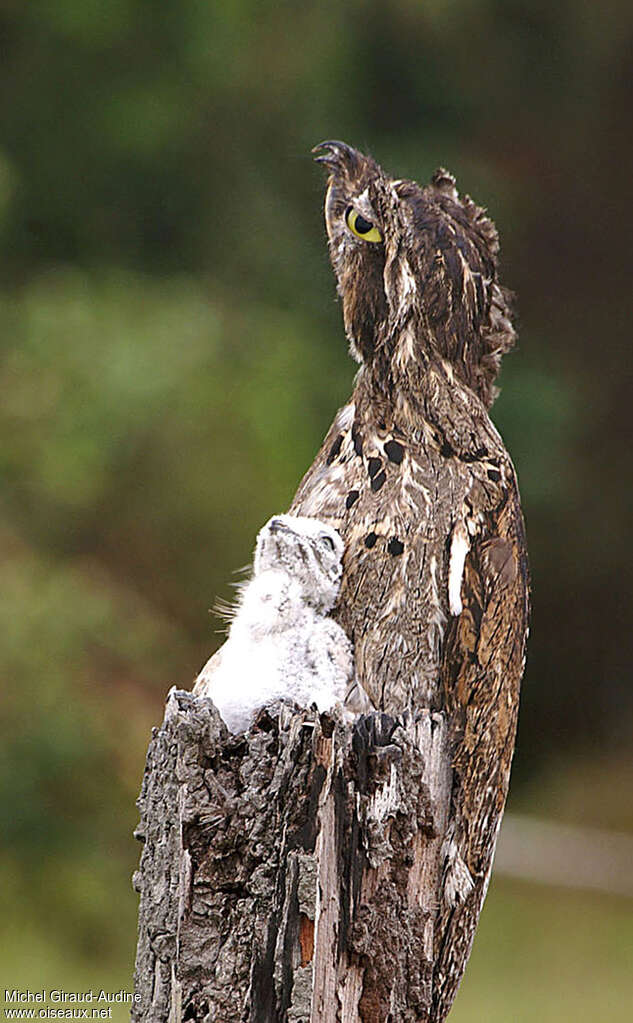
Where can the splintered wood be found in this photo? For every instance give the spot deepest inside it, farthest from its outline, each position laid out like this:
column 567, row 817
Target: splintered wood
column 292, row 873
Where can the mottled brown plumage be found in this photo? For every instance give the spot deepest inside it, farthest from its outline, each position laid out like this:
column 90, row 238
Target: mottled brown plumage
column 417, row 480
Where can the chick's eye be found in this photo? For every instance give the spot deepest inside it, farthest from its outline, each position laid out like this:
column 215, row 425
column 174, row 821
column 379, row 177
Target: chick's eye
column 328, row 541
column 360, row 227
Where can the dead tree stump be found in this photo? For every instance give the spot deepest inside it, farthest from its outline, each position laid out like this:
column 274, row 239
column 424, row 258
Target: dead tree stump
column 290, row 874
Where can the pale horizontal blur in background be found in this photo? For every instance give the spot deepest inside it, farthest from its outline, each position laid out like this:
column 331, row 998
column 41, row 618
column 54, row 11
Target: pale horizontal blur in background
column 171, row 354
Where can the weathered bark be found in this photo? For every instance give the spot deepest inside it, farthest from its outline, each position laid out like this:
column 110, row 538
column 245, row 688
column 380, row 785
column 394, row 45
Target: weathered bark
column 292, row 873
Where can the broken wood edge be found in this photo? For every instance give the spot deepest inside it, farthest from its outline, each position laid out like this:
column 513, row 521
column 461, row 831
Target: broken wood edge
column 293, row 872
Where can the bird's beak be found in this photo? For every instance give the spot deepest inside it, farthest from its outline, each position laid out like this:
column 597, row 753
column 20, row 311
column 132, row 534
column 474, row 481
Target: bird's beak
column 278, row 525
column 340, row 160
column 334, row 155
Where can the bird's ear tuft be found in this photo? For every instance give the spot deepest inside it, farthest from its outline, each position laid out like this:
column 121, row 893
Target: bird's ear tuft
column 498, row 337
column 484, row 225
column 445, row 182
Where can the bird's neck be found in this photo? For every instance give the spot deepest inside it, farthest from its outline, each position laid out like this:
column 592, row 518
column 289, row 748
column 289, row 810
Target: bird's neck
column 414, row 391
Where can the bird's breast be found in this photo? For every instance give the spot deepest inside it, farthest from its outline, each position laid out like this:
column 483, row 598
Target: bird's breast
column 396, row 501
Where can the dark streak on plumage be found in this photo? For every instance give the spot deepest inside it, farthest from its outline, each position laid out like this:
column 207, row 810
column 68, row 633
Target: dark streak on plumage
column 335, row 449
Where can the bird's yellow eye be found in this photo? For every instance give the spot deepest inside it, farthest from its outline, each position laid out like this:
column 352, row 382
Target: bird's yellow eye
column 360, row 227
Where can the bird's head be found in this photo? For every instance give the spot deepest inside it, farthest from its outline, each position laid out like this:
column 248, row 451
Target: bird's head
column 307, row 550
column 416, row 269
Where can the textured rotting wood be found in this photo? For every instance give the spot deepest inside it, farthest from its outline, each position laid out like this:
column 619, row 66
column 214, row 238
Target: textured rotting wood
column 292, row 873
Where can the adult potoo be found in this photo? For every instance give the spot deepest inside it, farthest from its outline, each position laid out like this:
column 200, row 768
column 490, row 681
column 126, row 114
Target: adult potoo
column 416, row 479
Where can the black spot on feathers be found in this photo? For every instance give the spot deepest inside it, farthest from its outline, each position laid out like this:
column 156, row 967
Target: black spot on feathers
column 395, row 546
column 357, row 439
column 394, row 451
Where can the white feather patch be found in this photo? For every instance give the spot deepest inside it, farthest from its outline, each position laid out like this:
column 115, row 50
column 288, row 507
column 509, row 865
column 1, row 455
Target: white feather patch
column 437, row 618
column 405, row 352
column 345, row 416
column 459, row 549
column 408, row 283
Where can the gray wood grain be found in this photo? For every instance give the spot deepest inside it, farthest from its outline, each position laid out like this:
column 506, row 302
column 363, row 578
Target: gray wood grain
column 292, row 873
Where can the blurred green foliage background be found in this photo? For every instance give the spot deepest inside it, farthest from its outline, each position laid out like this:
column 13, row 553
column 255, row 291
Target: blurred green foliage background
column 171, row 354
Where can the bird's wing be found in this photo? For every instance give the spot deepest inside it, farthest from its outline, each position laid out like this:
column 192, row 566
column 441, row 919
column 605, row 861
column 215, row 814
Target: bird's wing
column 335, row 474
column 204, row 682
column 340, row 652
column 482, row 664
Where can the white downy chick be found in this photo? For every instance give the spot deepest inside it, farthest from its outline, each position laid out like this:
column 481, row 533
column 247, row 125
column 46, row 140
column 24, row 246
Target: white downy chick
column 281, row 645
